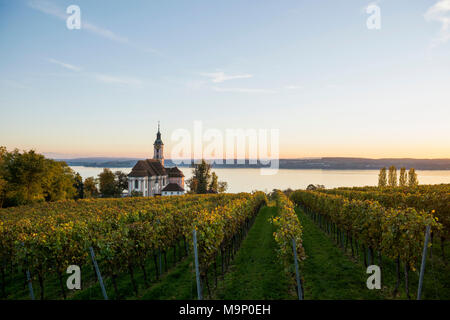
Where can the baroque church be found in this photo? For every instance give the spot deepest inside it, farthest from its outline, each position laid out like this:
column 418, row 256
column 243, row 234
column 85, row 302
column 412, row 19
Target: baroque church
column 151, row 178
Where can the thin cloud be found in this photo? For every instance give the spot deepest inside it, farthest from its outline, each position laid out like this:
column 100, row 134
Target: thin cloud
column 105, row 33
column 439, row 12
column 47, row 8
column 64, row 65
column 100, row 77
column 243, row 90
column 218, row 77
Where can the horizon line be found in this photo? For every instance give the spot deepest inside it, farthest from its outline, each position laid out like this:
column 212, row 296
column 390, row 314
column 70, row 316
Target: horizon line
column 246, row 159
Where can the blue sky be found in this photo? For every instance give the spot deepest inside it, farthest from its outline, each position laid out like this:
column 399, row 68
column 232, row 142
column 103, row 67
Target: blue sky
column 309, row 68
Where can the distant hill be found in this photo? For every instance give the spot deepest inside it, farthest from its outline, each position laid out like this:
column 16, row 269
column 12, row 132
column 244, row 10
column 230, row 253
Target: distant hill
column 101, row 162
column 365, row 163
column 331, row 163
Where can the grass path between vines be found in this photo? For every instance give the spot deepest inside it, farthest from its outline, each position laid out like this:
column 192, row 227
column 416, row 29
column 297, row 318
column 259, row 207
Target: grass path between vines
column 256, row 272
column 327, row 272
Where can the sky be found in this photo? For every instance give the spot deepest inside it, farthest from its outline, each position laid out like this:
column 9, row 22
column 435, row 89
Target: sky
column 311, row 69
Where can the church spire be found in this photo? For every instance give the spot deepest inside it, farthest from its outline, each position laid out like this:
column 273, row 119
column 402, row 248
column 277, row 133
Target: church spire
column 158, row 137
column 158, row 147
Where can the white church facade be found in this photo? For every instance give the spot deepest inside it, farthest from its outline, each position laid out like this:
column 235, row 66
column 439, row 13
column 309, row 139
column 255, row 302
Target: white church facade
column 150, row 178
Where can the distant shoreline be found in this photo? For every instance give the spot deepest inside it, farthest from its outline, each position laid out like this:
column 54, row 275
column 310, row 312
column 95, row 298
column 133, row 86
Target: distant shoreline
column 256, row 168
column 294, row 164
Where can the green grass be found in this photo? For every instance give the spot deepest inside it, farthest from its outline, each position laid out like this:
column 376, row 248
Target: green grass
column 256, row 272
column 177, row 284
column 125, row 287
column 327, row 272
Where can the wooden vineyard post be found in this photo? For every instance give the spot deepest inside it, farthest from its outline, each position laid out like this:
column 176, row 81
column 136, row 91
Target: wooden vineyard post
column 299, row 287
column 30, row 285
column 99, row 276
column 197, row 272
column 424, row 258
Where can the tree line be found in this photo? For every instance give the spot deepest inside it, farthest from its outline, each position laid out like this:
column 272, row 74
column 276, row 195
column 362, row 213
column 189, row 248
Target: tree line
column 389, row 178
column 108, row 184
column 27, row 177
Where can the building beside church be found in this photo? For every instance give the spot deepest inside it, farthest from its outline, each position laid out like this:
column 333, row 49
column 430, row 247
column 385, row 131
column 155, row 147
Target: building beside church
column 151, row 178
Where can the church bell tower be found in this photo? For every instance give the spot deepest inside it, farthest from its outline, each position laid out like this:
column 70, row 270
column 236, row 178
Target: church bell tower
column 158, row 148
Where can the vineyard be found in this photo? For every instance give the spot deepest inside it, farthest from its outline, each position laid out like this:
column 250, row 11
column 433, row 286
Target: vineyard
column 124, row 233
column 431, row 199
column 249, row 246
column 389, row 224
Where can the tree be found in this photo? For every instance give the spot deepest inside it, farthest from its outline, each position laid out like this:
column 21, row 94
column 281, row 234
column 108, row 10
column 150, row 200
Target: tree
column 272, row 195
column 214, row 183
column 90, row 188
column 2, row 180
column 121, row 182
column 315, row 187
column 192, row 183
column 28, row 177
column 58, row 181
column 2, row 191
column 288, row 192
column 203, row 181
column 403, row 177
column 223, row 186
column 200, row 178
column 382, row 180
column 23, row 173
column 112, row 184
column 107, row 183
column 392, row 176
column 412, row 178
column 79, row 186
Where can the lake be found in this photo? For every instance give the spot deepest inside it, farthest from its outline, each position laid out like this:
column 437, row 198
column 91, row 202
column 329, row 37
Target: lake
column 246, row 180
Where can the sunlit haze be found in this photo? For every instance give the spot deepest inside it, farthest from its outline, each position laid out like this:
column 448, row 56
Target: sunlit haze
column 311, row 69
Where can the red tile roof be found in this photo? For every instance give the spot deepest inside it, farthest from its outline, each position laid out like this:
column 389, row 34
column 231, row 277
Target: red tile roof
column 174, row 172
column 148, row 168
column 173, row 187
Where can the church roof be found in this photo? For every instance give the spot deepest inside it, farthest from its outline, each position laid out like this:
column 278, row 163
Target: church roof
column 174, row 172
column 173, row 187
column 148, row 168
